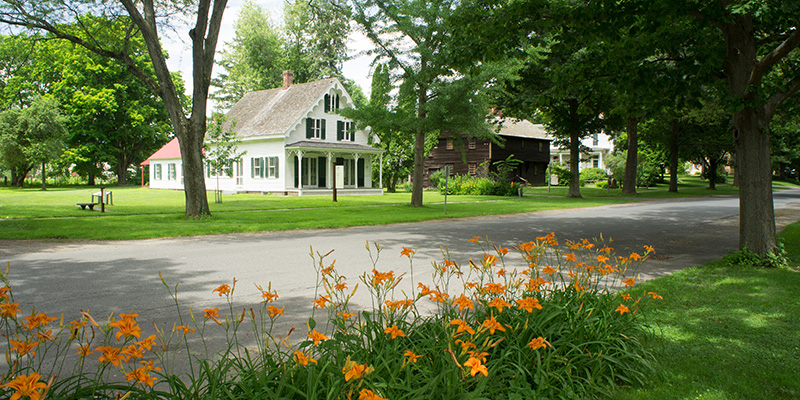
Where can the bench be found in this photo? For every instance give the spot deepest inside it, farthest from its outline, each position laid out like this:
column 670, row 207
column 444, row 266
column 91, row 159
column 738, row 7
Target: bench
column 90, row 205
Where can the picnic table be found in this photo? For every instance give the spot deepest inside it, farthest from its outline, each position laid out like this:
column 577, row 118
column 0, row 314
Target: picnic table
column 102, row 197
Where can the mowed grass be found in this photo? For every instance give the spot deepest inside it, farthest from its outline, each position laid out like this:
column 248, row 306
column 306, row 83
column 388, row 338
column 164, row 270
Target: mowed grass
column 727, row 332
column 140, row 213
column 688, row 186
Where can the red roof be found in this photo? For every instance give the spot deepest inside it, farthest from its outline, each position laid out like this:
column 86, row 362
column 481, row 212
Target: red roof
column 170, row 150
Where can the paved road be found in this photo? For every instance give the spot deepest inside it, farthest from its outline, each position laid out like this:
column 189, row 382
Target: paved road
column 112, row 276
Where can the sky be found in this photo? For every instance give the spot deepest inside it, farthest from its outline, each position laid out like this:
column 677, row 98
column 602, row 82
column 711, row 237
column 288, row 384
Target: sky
column 180, row 55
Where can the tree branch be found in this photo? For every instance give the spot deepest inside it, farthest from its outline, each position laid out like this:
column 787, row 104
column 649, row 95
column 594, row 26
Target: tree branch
column 774, row 56
column 778, row 98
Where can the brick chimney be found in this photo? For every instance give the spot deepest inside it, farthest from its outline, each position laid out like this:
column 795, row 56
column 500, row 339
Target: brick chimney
column 287, row 79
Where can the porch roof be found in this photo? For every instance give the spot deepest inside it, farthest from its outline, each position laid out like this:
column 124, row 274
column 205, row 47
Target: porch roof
column 330, row 146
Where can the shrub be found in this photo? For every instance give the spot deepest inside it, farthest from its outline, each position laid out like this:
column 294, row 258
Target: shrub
column 564, row 174
column 548, row 325
column 478, row 186
column 593, row 174
column 436, row 179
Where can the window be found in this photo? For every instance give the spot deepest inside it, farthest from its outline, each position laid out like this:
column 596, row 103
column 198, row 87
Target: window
column 473, row 143
column 449, row 145
column 541, row 147
column 595, row 163
column 450, row 168
column 315, row 128
column 272, row 167
column 310, row 171
column 345, row 131
column 257, row 167
column 595, row 139
column 157, row 172
column 171, row 172
column 331, row 102
column 473, row 168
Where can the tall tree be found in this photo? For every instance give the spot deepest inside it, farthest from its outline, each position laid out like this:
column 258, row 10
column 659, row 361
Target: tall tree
column 413, row 38
column 254, row 59
column 316, row 38
column 31, row 136
column 64, row 21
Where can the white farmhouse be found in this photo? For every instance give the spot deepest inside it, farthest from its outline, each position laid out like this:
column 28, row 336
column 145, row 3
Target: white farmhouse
column 599, row 145
column 293, row 137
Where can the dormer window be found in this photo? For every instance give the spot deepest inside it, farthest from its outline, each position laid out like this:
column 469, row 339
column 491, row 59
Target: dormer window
column 315, row 128
column 331, row 102
column 345, row 131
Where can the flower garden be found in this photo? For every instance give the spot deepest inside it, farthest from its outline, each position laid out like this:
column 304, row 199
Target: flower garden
column 543, row 319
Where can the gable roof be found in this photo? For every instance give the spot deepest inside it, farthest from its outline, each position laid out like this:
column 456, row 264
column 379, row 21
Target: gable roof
column 276, row 111
column 523, row 128
column 170, row 150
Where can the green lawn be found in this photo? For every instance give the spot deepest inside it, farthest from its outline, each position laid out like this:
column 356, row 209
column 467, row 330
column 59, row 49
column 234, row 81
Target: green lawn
column 688, row 186
column 140, row 213
column 727, row 332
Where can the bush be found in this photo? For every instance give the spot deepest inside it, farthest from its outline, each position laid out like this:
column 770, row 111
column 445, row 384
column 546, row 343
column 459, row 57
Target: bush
column 436, row 179
column 593, row 175
column 602, row 184
column 477, row 186
column 564, row 174
column 549, row 325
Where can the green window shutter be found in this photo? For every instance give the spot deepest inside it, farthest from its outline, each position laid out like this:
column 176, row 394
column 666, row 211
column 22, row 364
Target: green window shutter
column 276, row 166
column 262, row 174
column 252, row 168
column 339, row 130
column 327, row 103
column 322, row 122
column 352, row 132
column 309, row 128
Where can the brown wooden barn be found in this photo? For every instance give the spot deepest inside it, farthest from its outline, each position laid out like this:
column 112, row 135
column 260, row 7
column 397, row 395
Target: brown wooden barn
column 526, row 141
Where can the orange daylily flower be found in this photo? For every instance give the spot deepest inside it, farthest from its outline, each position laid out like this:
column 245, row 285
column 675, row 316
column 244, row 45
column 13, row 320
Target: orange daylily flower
column 353, row 370
column 463, row 302
column 148, row 342
column 537, row 343
column 465, row 345
column 635, row 256
column 185, row 329
column 110, row 355
column 131, row 351
column 27, row 385
column 321, row 301
column 602, row 259
column 84, row 350
column 625, row 296
column 499, row 303
column 346, row 315
column 476, row 367
column 549, row 270
column 127, row 327
column 23, row 348
column 489, row 260
column 367, row 394
column 340, row 286
column 411, row 357
column 407, row 252
column 649, row 249
column 394, row 331
column 630, row 282
column 34, row 321
column 495, row 288
column 528, row 304
column 4, row 293
column 493, row 325
column 569, row 257
column 9, row 310
column 480, row 356
column 378, row 278
column 462, row 326
column 223, row 289
column 655, row 296
column 476, row 239
column 274, row 311
column 622, row 309
column 317, row 337
column 268, row 295
column 211, row 313
column 303, row 359
column 142, row 374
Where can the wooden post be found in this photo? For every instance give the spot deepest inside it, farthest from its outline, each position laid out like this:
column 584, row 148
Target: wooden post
column 102, row 199
column 334, row 183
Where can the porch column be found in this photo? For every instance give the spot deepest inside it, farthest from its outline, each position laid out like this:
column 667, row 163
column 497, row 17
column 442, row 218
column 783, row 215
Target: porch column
column 601, row 164
column 380, row 179
column 300, row 169
column 355, row 158
column 329, row 172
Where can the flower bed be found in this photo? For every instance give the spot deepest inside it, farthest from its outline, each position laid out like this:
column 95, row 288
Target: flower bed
column 555, row 328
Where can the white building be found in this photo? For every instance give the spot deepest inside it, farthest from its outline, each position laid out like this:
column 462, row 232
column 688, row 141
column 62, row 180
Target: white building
column 599, row 145
column 292, row 136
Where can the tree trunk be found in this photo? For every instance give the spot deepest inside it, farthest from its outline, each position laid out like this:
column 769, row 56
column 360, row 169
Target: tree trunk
column 711, row 173
column 574, row 166
column 194, row 183
column 419, row 148
column 122, row 170
column 91, row 181
column 631, row 163
column 673, row 159
column 44, row 177
column 756, row 209
column 782, row 171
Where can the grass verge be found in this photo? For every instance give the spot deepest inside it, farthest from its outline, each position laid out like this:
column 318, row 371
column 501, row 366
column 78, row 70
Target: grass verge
column 727, row 332
column 142, row 213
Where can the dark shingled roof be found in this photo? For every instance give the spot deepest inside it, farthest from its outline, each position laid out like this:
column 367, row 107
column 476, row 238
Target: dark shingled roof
column 275, row 111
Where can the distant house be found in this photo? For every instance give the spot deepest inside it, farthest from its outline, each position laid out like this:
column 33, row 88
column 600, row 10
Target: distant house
column 292, row 137
column 527, row 142
column 599, row 145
